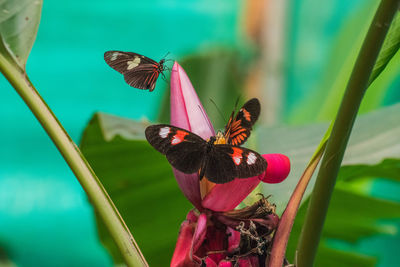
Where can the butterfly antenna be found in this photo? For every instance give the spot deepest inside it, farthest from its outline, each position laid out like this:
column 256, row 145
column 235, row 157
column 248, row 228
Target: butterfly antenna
column 219, row 111
column 205, row 117
column 237, row 101
column 166, row 55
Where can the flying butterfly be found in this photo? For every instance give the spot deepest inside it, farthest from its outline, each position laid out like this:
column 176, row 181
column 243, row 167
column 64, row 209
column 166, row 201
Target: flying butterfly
column 189, row 153
column 239, row 127
column 139, row 71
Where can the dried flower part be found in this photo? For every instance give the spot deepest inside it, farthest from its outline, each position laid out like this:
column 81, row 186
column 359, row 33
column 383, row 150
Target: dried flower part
column 255, row 224
column 262, row 213
column 235, row 238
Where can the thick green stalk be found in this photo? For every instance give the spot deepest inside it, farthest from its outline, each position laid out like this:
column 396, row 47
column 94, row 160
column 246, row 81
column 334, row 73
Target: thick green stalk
column 356, row 87
column 72, row 155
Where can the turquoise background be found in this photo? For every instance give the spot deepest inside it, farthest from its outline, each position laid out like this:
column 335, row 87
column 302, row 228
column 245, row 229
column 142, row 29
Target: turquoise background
column 45, row 218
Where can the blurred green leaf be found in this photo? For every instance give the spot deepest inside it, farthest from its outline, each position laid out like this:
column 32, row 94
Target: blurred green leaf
column 375, row 138
column 350, row 217
column 389, row 48
column 328, row 257
column 19, row 22
column 373, row 151
column 139, row 181
column 388, row 168
column 4, row 259
column 218, row 75
column 322, row 101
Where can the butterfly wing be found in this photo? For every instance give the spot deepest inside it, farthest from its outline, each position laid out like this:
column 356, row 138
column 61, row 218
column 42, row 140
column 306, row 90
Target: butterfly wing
column 139, row 71
column 219, row 167
column 239, row 127
column 144, row 77
column 227, row 162
column 184, row 150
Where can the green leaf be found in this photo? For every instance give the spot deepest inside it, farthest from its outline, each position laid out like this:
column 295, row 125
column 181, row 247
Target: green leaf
column 19, row 22
column 139, row 181
column 389, row 48
column 4, row 259
column 322, row 101
column 350, row 218
column 388, row 168
column 375, row 138
column 373, row 151
column 329, row 257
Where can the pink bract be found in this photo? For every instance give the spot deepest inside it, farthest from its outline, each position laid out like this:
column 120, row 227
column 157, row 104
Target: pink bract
column 188, row 113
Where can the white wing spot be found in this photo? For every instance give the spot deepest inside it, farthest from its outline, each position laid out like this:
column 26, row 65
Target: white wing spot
column 237, row 159
column 114, row 56
column 176, row 140
column 164, row 132
column 251, row 158
column 133, row 63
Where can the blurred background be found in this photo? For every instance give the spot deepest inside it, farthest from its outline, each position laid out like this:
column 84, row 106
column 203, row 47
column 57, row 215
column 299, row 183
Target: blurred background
column 296, row 56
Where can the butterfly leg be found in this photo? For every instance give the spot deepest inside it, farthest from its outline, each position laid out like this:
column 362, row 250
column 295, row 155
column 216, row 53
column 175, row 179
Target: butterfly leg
column 203, row 168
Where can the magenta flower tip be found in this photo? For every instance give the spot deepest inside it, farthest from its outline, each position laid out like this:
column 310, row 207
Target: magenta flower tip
column 277, row 170
column 188, row 113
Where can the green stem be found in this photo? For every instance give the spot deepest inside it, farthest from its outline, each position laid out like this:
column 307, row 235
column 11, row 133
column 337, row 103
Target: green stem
column 356, row 87
column 78, row 164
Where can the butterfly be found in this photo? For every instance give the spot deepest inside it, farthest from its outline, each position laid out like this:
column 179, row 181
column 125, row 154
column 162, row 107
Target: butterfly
column 139, row 71
column 238, row 128
column 189, row 153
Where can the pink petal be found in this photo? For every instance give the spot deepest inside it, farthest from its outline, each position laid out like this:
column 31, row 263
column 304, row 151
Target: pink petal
column 192, row 216
column 216, row 241
column 199, row 233
column 188, row 113
column 233, row 239
column 225, row 197
column 225, row 264
column 250, row 261
column 189, row 184
column 181, row 255
column 278, row 168
column 210, row 262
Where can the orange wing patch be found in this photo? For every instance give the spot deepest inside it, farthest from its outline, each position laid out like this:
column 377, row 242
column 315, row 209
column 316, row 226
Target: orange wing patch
column 237, row 155
column 246, row 114
column 178, row 137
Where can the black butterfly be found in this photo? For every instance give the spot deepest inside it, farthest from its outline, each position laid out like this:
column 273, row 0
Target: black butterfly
column 139, row 71
column 239, row 127
column 189, row 153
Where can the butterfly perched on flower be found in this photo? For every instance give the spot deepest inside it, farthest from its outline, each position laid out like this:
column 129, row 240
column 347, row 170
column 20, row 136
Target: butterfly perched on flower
column 239, row 127
column 220, row 159
column 189, row 153
column 139, row 71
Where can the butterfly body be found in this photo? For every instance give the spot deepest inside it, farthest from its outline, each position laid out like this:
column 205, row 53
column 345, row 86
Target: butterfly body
column 139, row 71
column 189, row 153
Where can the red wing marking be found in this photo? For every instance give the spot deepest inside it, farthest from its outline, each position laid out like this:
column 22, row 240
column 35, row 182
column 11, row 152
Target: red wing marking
column 178, row 137
column 237, row 155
